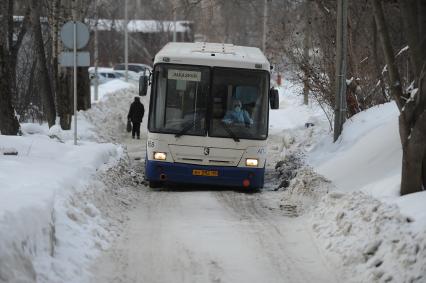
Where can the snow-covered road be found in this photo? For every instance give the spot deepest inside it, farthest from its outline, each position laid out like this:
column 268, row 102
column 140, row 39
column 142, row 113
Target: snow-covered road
column 98, row 222
column 210, row 236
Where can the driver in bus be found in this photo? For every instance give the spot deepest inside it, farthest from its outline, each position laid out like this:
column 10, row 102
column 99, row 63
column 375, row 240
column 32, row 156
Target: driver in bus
column 237, row 115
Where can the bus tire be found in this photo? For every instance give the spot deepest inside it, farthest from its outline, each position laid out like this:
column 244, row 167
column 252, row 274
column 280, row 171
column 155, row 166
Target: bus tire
column 154, row 184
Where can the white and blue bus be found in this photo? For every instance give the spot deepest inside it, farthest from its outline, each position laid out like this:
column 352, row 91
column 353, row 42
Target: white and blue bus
column 208, row 115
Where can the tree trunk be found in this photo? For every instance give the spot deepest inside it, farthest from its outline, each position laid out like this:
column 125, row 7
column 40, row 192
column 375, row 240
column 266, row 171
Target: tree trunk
column 64, row 92
column 415, row 109
column 413, row 158
column 382, row 31
column 412, row 120
column 65, row 101
column 46, row 94
column 55, row 42
column 376, row 62
column 8, row 123
column 14, row 51
column 408, row 8
column 83, row 89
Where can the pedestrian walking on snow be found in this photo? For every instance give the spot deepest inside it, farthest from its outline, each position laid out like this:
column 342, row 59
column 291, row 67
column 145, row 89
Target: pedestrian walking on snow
column 135, row 115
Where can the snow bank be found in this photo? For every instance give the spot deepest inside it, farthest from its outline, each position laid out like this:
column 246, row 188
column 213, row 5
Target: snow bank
column 42, row 166
column 34, row 186
column 53, row 193
column 110, row 87
column 374, row 240
column 293, row 129
column 292, row 112
column 108, row 117
column 349, row 192
column 367, row 156
column 379, row 235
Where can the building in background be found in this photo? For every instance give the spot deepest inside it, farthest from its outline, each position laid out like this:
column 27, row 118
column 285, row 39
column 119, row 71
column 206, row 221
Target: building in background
column 146, row 38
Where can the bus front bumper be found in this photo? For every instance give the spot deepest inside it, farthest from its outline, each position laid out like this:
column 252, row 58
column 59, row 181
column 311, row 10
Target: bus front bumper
column 201, row 174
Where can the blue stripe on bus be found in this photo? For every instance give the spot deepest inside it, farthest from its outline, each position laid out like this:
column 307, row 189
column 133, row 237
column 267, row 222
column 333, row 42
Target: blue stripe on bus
column 182, row 173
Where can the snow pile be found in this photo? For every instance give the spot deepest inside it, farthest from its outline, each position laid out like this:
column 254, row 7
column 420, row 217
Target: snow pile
column 293, row 129
column 367, row 156
column 109, row 115
column 92, row 220
column 349, row 190
column 110, row 87
column 293, row 114
column 35, row 187
column 378, row 240
column 305, row 190
column 374, row 239
column 57, row 199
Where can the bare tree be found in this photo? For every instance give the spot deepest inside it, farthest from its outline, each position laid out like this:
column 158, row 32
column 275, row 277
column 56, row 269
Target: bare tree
column 412, row 105
column 46, row 91
column 8, row 122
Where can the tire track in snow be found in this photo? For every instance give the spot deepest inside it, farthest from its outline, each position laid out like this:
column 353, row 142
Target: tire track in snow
column 280, row 238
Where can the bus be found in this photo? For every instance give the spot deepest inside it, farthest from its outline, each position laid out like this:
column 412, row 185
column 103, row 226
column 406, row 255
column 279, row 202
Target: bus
column 208, row 115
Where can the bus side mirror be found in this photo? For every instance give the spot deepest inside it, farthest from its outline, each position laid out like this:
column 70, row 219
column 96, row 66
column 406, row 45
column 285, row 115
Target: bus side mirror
column 143, row 85
column 274, row 98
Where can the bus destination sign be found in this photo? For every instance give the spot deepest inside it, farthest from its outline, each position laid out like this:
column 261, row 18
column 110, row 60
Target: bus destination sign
column 183, row 75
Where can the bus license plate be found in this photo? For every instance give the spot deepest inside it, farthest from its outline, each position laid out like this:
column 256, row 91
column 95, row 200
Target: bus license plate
column 208, row 173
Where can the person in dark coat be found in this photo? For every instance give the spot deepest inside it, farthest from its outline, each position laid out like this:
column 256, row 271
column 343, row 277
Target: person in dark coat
column 135, row 115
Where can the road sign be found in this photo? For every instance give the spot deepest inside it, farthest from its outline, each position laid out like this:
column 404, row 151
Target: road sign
column 74, row 36
column 66, row 59
column 67, row 35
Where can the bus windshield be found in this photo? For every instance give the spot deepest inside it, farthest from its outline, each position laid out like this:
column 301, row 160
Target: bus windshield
column 240, row 104
column 180, row 99
column 236, row 107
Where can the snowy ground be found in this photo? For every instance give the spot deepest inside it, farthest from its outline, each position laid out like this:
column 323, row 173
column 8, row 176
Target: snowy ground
column 349, row 190
column 200, row 235
column 380, row 235
column 330, row 212
column 54, row 195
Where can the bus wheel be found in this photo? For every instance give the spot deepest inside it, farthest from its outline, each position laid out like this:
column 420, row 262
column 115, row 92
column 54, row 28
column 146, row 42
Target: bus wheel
column 155, row 184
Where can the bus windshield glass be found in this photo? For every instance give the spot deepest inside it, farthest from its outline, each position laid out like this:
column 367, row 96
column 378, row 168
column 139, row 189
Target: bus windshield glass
column 217, row 101
column 239, row 104
column 179, row 105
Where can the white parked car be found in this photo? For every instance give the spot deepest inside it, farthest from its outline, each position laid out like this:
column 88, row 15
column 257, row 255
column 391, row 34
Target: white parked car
column 104, row 75
column 140, row 69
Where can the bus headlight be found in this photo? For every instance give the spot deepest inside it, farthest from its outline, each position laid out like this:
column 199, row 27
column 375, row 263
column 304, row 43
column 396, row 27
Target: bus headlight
column 252, row 162
column 160, row 156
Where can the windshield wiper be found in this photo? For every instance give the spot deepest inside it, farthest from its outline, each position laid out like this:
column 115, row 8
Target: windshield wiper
column 230, row 132
column 185, row 129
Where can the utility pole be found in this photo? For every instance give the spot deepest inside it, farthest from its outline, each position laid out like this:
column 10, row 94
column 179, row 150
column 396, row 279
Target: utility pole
column 265, row 21
column 126, row 41
column 96, row 52
column 75, row 80
column 174, row 20
column 341, row 65
column 74, row 18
